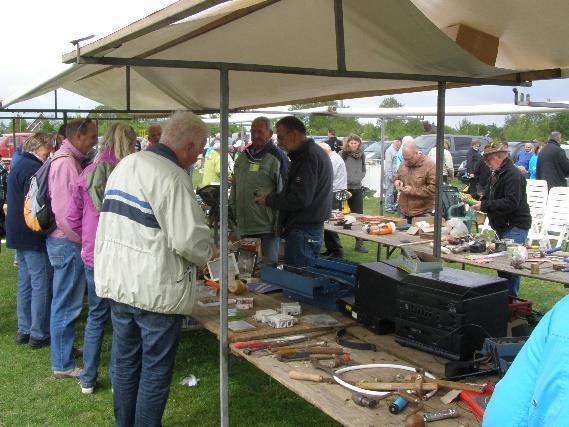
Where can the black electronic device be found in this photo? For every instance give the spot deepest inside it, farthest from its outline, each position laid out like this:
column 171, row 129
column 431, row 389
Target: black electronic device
column 450, row 312
column 376, row 295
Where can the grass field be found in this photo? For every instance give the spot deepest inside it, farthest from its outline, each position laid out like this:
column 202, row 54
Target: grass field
column 29, row 396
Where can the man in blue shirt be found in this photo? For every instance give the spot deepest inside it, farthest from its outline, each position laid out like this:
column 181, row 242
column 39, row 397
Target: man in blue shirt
column 524, row 156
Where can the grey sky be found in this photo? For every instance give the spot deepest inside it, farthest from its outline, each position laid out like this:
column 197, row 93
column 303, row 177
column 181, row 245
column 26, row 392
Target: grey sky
column 33, row 45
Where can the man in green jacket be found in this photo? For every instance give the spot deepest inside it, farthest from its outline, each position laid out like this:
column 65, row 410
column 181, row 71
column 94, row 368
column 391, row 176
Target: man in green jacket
column 262, row 167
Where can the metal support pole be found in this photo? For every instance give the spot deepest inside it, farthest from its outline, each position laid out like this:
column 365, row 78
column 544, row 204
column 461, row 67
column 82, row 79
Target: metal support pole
column 65, row 118
column 439, row 169
column 55, row 102
column 14, row 132
column 127, row 68
column 223, row 218
column 382, row 174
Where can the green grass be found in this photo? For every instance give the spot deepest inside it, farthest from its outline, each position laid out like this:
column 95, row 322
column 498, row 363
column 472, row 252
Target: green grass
column 30, row 396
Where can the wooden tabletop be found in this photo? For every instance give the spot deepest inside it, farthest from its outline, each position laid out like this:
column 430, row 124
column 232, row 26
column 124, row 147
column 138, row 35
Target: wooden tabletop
column 333, row 399
column 401, row 239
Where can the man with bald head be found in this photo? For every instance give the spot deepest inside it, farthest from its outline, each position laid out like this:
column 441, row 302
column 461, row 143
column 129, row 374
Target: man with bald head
column 415, row 182
column 154, row 134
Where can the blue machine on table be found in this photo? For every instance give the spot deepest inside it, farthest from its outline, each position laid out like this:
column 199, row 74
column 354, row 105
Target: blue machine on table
column 320, row 285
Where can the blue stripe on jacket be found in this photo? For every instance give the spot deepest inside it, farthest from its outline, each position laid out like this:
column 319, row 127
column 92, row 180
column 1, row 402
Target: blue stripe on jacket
column 128, row 196
column 131, row 212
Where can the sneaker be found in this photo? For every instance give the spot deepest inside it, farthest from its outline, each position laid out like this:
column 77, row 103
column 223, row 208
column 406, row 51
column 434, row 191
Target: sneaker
column 35, row 344
column 86, row 388
column 70, row 373
column 22, row 338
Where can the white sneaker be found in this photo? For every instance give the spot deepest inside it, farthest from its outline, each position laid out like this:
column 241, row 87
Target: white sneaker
column 86, row 389
column 70, row 373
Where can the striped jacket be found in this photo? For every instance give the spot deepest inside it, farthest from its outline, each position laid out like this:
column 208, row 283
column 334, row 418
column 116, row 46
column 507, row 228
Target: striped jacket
column 151, row 232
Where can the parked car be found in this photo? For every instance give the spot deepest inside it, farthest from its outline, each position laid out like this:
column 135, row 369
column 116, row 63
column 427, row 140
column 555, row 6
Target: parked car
column 373, row 150
column 459, row 145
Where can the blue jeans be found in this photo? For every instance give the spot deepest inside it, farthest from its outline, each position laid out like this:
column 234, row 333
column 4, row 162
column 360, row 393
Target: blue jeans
column 33, row 296
column 270, row 245
column 143, row 352
column 519, row 235
column 302, row 246
column 68, row 292
column 99, row 311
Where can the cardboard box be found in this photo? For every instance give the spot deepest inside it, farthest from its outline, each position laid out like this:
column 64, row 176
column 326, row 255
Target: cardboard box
column 482, row 45
column 412, row 262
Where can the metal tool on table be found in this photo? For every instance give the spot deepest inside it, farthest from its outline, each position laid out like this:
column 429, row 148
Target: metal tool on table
column 365, row 401
column 432, row 384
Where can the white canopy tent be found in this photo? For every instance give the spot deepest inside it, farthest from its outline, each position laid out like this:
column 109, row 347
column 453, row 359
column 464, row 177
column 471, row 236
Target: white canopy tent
column 274, row 52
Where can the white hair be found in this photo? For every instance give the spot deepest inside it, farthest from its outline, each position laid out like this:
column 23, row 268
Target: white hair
column 556, row 136
column 184, row 128
column 407, row 139
column 325, row 147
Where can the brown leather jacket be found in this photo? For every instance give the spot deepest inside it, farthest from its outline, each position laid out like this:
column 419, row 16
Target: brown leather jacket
column 422, row 179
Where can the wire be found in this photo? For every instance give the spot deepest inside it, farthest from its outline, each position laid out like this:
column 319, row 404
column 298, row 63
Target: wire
column 375, row 366
column 454, row 331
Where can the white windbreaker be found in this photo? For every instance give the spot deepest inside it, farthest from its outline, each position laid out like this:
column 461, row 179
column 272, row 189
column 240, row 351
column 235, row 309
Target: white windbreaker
column 151, row 233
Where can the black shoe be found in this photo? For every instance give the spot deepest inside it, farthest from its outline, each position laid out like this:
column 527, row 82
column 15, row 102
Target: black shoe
column 327, row 253
column 77, row 352
column 337, row 254
column 35, row 344
column 22, row 338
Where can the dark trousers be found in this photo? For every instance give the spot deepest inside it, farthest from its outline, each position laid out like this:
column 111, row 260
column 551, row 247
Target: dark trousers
column 142, row 360
column 332, row 241
column 356, row 202
column 302, row 246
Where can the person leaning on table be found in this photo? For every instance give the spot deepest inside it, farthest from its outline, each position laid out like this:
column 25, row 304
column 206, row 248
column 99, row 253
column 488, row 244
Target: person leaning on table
column 151, row 235
column 505, row 202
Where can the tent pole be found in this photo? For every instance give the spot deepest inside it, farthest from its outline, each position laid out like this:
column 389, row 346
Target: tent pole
column 382, row 174
column 55, row 102
column 127, row 85
column 223, row 218
column 439, row 168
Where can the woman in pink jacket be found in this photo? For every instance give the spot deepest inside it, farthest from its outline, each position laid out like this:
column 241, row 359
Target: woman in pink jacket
column 83, row 218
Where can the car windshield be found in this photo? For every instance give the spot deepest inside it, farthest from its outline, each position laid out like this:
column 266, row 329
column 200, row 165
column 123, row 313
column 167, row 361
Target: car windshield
column 425, row 142
column 375, row 147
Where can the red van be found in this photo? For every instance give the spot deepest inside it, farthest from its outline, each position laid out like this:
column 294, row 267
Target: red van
column 7, row 146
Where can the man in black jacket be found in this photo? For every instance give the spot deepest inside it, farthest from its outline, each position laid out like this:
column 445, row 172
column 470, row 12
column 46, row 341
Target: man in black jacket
column 552, row 163
column 505, row 202
column 334, row 143
column 304, row 203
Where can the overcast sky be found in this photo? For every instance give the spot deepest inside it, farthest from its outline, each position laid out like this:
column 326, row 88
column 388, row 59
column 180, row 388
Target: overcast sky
column 36, row 33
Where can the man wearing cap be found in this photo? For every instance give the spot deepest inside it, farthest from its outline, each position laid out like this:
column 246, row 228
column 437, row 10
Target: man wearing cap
column 505, row 202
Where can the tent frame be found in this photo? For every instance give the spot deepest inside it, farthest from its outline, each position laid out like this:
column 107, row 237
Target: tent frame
column 516, row 79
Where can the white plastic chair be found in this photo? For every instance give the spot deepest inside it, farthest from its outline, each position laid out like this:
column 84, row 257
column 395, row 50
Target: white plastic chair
column 555, row 226
column 536, row 190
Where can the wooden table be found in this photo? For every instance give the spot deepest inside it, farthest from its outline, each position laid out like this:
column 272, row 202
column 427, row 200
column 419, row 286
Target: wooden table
column 394, row 241
column 401, row 239
column 333, row 399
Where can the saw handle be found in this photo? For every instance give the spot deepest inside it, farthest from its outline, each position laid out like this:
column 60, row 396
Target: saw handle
column 305, row 376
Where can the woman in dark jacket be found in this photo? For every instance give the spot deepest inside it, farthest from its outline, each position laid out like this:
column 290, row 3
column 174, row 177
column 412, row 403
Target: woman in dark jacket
column 473, row 157
column 33, row 296
column 356, row 170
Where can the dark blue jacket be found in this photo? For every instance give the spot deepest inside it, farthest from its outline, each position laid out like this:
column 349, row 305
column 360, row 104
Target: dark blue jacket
column 18, row 235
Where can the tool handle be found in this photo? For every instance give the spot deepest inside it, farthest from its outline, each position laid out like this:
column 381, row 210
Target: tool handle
column 396, row 386
column 305, row 376
column 249, row 344
column 453, row 385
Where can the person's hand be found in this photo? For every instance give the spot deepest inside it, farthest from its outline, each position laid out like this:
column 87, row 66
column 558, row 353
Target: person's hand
column 398, row 184
column 261, row 198
column 477, row 206
column 471, row 175
column 405, row 188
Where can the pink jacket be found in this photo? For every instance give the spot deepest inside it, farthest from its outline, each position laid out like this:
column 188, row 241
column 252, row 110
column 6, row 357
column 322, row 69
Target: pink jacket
column 86, row 200
column 62, row 174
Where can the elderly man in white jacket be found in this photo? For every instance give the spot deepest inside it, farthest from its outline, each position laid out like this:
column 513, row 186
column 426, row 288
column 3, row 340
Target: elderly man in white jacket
column 151, row 236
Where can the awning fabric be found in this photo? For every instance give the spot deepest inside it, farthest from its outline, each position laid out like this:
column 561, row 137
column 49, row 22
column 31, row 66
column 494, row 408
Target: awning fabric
column 399, row 36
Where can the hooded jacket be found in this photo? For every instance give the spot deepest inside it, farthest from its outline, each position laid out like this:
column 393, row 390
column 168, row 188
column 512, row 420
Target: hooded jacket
column 505, row 199
column 355, row 168
column 306, row 198
column 422, row 180
column 86, row 202
column 263, row 171
column 151, row 234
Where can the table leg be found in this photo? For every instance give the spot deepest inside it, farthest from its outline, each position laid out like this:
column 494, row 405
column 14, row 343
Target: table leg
column 379, row 247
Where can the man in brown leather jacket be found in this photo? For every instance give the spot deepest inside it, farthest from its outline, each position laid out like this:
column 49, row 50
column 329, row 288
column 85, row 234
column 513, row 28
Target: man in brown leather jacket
column 415, row 182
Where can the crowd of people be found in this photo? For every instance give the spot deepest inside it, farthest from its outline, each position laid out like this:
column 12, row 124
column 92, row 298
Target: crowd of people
column 130, row 234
